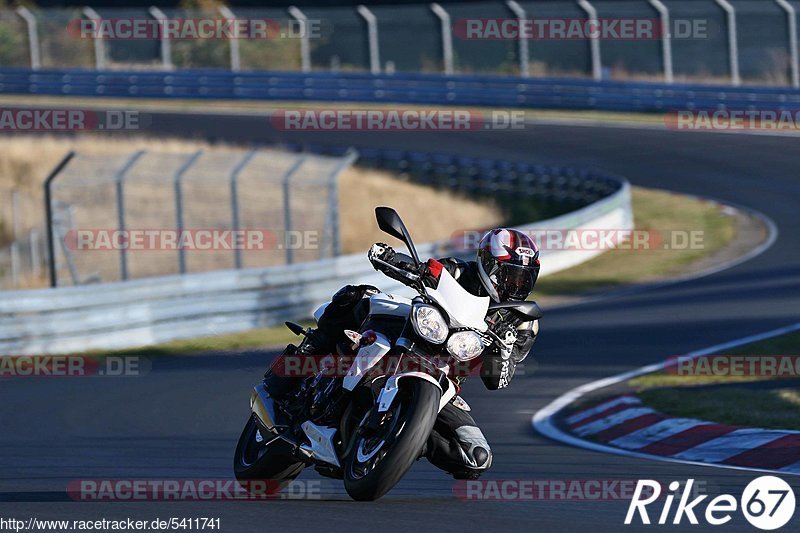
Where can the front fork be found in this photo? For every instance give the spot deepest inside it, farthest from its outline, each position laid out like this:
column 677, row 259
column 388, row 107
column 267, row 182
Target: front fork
column 388, row 393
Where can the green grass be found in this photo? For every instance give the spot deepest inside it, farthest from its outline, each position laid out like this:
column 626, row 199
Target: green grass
column 661, row 379
column 782, row 345
column 737, row 406
column 657, row 211
column 737, row 400
column 252, row 339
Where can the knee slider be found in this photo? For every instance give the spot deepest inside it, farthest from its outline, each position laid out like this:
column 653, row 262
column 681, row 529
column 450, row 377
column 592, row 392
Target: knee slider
column 482, row 457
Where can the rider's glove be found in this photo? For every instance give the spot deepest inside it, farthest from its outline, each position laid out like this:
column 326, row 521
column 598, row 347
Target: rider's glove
column 381, row 251
column 508, row 337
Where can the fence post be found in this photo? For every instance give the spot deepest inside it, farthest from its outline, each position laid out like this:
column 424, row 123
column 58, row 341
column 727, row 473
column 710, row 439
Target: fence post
column 524, row 54
column 287, row 207
column 347, row 159
column 36, row 261
column 666, row 38
column 33, row 36
column 99, row 43
column 372, row 37
column 176, row 181
column 594, row 40
column 48, row 211
column 791, row 15
column 15, row 232
column 447, row 37
column 166, row 45
column 233, row 40
column 119, row 180
column 67, row 222
column 305, row 45
column 14, row 264
column 234, row 184
column 733, row 45
column 16, row 225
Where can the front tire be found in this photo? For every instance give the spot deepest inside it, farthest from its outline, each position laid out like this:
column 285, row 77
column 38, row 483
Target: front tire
column 258, row 459
column 378, row 462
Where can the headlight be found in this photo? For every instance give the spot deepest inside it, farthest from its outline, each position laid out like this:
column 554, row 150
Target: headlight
column 429, row 323
column 465, row 345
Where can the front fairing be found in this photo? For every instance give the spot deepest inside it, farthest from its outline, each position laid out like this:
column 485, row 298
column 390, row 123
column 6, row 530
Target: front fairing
column 464, row 309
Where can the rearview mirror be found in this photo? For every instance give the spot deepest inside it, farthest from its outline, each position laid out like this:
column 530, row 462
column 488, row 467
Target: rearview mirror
column 390, row 222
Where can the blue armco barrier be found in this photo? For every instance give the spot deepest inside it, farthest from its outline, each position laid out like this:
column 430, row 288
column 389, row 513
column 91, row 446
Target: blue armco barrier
column 497, row 91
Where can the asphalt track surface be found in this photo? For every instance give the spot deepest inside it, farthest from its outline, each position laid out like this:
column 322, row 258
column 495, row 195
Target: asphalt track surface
column 182, row 419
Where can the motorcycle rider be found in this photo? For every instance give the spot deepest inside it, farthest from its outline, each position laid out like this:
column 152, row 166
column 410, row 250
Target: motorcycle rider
column 506, row 269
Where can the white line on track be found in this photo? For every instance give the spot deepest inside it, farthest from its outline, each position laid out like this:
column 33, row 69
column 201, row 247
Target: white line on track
column 543, row 419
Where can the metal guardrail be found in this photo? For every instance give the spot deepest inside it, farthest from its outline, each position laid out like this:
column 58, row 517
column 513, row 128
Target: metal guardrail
column 152, row 310
column 464, row 90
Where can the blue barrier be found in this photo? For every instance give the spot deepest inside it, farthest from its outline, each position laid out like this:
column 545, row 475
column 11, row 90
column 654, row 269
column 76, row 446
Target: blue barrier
column 495, row 91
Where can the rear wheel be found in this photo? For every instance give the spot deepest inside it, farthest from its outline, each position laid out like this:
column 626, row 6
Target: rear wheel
column 381, row 457
column 260, row 457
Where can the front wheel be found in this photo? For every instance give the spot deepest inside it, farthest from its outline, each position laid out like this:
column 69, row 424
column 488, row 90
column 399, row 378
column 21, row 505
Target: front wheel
column 381, row 457
column 262, row 462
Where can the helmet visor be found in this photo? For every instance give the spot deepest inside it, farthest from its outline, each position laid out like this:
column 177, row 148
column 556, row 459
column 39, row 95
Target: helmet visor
column 516, row 282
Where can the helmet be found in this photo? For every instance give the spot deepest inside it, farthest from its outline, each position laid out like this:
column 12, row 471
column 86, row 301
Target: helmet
column 508, row 264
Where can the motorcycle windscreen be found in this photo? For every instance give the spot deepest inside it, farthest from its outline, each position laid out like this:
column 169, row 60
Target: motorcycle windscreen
column 464, row 308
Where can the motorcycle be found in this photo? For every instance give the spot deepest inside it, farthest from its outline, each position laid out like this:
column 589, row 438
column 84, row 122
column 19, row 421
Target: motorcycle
column 368, row 425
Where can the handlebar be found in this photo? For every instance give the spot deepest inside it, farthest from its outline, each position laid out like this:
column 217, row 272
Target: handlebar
column 405, row 273
column 488, row 335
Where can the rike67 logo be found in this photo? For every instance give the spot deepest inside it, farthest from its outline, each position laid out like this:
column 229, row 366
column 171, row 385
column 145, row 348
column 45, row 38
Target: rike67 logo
column 767, row 503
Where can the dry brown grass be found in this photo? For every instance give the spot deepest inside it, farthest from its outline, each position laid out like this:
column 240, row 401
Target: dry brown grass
column 26, row 160
column 430, row 214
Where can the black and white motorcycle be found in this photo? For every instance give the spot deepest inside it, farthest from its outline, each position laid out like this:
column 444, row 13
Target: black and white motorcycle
column 368, row 425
